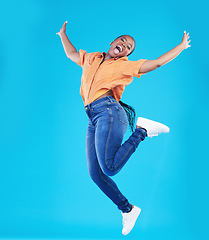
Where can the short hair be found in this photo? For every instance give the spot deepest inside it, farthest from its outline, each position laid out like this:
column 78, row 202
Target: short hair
column 132, row 38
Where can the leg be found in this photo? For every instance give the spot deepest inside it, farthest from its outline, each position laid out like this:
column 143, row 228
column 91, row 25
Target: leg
column 110, row 130
column 106, row 184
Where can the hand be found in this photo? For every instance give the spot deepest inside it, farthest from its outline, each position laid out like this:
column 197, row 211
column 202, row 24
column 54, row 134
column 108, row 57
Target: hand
column 62, row 30
column 185, row 41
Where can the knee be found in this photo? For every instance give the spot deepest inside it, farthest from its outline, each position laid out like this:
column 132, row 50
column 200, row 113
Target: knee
column 109, row 171
column 95, row 176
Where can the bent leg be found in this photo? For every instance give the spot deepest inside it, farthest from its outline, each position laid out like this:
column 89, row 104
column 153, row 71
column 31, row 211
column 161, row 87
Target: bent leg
column 112, row 154
column 105, row 183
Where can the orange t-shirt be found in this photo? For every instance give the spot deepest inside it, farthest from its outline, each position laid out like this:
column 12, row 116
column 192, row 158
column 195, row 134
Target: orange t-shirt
column 115, row 74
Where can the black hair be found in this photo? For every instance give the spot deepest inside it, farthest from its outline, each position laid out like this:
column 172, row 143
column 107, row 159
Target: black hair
column 132, row 38
column 131, row 114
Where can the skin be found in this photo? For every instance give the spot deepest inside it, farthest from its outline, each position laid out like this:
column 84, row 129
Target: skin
column 126, row 42
column 148, row 66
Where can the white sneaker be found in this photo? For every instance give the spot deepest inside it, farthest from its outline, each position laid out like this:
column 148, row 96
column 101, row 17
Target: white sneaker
column 153, row 128
column 129, row 219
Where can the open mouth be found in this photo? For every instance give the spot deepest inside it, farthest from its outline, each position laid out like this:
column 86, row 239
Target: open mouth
column 118, row 49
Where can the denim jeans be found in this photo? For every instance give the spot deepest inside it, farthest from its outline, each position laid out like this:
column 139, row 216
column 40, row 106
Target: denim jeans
column 106, row 155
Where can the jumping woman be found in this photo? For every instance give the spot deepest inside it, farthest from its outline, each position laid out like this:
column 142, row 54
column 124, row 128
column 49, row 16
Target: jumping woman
column 103, row 81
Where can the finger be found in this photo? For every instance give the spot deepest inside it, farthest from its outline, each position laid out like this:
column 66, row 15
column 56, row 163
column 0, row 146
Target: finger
column 187, row 34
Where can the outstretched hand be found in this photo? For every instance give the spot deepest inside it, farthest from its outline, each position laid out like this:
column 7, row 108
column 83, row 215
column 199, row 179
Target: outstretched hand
column 185, row 41
column 63, row 29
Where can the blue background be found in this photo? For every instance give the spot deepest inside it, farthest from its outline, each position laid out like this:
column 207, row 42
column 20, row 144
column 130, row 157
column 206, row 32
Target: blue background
column 46, row 191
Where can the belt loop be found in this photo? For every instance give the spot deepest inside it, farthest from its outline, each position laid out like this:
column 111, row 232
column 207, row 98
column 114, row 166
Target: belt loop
column 110, row 98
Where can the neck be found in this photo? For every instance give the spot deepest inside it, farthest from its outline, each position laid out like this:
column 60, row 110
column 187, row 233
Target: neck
column 107, row 56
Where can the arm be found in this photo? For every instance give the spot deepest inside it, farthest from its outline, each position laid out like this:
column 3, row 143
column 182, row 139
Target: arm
column 151, row 65
column 70, row 50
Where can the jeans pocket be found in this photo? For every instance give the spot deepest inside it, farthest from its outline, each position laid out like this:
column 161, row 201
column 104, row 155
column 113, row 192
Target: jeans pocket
column 101, row 107
column 122, row 114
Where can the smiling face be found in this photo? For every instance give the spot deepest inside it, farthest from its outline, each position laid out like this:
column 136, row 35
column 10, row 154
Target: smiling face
column 122, row 46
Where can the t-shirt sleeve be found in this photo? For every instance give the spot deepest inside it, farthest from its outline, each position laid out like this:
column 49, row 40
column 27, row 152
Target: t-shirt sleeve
column 83, row 57
column 131, row 68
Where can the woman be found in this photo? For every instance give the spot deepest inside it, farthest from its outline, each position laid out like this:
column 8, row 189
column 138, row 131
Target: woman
column 104, row 78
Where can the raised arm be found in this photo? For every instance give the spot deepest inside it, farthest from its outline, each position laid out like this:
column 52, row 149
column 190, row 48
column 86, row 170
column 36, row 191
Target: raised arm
column 70, row 50
column 151, row 65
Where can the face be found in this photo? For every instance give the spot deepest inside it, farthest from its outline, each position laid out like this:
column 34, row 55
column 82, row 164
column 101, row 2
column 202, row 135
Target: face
column 122, row 46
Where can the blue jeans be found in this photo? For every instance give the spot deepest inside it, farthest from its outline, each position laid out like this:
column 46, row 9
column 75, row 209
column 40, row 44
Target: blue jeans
column 106, row 156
